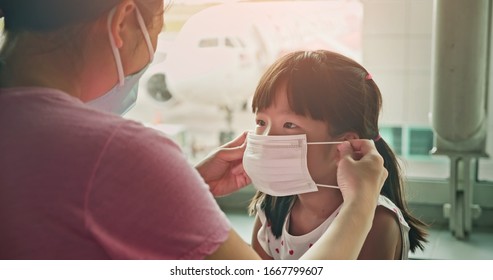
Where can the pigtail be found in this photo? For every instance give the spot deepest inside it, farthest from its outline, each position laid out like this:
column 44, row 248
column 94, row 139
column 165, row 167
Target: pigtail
column 393, row 189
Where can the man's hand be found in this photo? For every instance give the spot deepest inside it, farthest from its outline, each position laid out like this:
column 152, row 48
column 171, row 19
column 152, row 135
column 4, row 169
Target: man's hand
column 360, row 172
column 223, row 169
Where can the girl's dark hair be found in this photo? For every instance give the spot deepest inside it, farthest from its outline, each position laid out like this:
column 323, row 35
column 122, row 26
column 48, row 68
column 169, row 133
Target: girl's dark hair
column 330, row 87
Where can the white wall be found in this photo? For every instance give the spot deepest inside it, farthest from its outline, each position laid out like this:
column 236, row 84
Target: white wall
column 397, row 51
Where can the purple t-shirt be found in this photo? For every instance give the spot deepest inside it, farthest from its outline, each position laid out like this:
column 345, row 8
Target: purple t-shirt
column 76, row 183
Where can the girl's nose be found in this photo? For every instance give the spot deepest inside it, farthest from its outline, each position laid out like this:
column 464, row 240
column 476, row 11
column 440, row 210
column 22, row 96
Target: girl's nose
column 271, row 131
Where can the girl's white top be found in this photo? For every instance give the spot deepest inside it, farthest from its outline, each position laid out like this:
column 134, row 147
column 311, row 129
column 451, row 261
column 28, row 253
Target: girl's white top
column 290, row 247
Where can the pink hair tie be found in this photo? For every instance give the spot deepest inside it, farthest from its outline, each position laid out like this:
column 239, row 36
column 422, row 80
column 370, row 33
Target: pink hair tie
column 377, row 138
column 368, row 77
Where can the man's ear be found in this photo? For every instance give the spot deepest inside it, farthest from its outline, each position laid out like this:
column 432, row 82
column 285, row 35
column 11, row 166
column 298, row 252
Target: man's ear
column 122, row 13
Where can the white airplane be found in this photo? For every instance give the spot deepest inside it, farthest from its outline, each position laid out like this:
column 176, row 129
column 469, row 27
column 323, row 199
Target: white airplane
column 220, row 53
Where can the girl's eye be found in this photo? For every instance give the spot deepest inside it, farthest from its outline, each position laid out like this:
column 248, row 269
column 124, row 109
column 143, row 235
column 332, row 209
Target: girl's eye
column 290, row 125
column 260, row 123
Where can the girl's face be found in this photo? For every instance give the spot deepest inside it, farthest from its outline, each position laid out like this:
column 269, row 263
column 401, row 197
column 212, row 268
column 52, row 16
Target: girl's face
column 279, row 119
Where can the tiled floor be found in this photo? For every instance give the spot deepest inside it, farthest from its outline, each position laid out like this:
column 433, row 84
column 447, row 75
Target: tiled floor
column 442, row 246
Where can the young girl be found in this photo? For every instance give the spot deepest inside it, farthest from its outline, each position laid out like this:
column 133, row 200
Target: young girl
column 306, row 102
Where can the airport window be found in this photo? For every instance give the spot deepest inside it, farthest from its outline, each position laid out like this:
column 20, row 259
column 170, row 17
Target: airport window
column 409, row 142
column 393, row 136
column 420, row 141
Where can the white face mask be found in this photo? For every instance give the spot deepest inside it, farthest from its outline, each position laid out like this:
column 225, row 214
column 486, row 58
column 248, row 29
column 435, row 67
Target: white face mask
column 277, row 165
column 122, row 97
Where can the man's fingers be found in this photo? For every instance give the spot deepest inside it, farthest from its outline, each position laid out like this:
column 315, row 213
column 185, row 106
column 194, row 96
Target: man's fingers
column 345, row 149
column 233, row 150
column 362, row 145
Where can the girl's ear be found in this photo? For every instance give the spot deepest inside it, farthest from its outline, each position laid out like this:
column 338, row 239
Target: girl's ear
column 350, row 136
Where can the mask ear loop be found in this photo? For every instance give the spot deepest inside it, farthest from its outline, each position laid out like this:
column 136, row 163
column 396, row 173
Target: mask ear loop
column 269, row 126
column 327, row 186
column 145, row 32
column 116, row 52
column 326, row 143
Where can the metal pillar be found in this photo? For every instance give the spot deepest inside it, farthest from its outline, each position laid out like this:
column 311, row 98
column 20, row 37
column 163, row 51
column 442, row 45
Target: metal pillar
column 461, row 211
column 460, row 65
